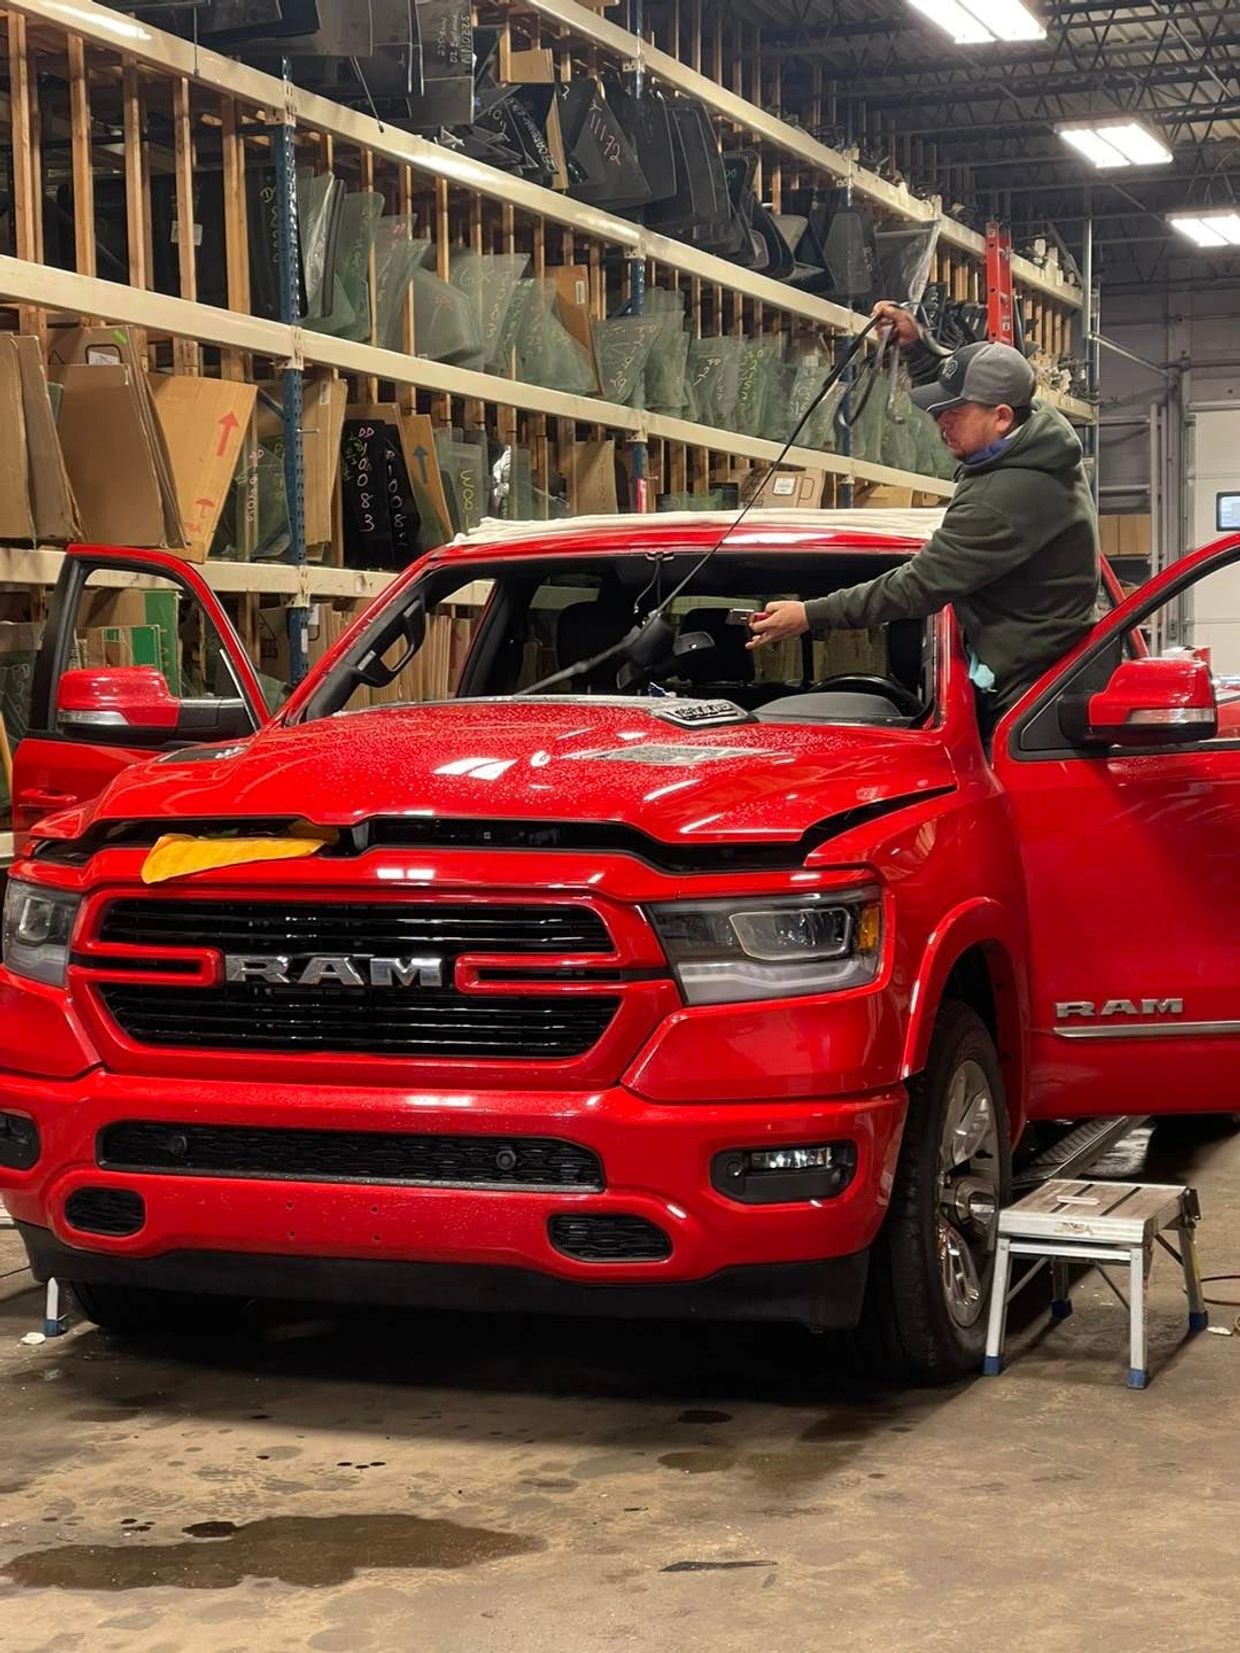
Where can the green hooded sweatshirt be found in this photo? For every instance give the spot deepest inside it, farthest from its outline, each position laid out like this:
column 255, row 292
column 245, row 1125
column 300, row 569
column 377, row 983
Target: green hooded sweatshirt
column 1017, row 556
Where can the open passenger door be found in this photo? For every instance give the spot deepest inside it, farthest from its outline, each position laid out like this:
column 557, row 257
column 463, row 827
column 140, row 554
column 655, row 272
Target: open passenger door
column 1122, row 771
column 138, row 657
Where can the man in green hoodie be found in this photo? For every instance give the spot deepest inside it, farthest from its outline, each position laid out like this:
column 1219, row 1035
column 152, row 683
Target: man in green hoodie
column 1017, row 552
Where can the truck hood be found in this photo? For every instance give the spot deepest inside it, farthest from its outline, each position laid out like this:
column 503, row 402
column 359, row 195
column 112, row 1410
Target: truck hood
column 587, row 759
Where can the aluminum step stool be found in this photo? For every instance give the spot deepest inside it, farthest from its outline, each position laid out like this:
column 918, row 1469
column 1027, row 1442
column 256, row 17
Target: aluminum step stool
column 1065, row 1222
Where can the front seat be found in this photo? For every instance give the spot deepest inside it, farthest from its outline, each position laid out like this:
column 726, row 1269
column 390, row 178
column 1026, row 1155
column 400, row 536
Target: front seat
column 729, row 661
column 585, row 629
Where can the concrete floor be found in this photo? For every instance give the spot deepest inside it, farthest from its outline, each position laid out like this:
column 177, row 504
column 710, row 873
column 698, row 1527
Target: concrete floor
column 457, row 1485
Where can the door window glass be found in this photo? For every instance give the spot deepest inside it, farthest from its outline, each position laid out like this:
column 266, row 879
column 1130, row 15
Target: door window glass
column 1205, row 616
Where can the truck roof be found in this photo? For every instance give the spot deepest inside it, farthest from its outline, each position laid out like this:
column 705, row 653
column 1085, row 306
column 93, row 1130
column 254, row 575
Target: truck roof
column 855, row 530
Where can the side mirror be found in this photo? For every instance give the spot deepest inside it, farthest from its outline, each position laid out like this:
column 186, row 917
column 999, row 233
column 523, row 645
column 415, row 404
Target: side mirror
column 1156, row 702
column 135, row 703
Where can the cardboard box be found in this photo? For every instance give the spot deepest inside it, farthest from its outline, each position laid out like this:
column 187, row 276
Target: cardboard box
column 108, row 608
column 323, row 414
column 204, row 423
column 792, row 490
column 571, row 283
column 16, row 517
column 111, row 348
column 883, row 494
column 108, row 458
column 51, row 498
column 592, row 478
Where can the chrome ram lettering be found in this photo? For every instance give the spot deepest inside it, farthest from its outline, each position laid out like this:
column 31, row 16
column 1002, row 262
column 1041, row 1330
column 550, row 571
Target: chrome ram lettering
column 358, row 970
column 1088, row 1010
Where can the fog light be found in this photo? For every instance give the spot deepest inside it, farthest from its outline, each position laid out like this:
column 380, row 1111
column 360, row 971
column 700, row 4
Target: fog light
column 792, row 1159
column 781, row 1176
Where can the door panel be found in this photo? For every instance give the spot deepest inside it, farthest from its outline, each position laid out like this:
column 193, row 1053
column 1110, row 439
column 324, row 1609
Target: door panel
column 1133, row 880
column 126, row 609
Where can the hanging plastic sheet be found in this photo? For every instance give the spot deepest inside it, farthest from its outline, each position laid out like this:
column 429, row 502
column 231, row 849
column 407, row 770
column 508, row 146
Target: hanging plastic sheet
column 320, row 197
column 446, row 323
column 714, row 380
column 664, row 387
column 347, row 285
column 622, row 347
column 900, row 445
column 905, row 259
column 802, row 380
column 546, row 352
column 760, row 383
column 398, row 253
column 489, row 281
column 865, row 411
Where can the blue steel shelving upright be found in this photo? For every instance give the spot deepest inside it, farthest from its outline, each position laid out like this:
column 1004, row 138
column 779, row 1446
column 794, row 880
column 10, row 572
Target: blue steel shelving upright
column 291, row 378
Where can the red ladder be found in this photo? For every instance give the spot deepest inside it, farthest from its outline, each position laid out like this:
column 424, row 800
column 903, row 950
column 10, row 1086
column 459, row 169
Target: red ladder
column 1000, row 303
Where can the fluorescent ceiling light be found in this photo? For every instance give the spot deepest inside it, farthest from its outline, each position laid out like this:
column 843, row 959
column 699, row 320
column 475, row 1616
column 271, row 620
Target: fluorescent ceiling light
column 1116, row 143
column 1209, row 229
column 981, row 22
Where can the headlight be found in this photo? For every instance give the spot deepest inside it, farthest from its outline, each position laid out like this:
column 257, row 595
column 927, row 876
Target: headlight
column 37, row 925
column 724, row 951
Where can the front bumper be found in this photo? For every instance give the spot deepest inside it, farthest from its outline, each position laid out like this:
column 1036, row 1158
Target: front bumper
column 464, row 1246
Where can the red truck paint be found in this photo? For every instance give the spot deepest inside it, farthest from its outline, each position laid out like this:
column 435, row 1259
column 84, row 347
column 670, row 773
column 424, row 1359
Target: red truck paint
column 1068, row 878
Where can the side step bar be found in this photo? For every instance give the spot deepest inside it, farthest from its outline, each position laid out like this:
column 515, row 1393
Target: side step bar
column 1077, row 1151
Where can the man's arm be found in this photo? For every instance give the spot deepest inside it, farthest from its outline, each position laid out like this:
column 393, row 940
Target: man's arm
column 974, row 547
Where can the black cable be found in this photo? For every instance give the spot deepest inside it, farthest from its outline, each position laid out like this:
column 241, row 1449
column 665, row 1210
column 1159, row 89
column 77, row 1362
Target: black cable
column 616, row 650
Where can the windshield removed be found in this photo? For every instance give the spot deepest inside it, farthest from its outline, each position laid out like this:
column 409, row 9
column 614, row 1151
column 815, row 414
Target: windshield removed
column 479, row 630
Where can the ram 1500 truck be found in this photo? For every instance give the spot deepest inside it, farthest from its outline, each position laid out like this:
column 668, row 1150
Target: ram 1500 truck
column 700, row 981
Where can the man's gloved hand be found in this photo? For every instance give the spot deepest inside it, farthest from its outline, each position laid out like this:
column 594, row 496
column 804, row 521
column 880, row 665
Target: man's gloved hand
column 777, row 622
column 903, row 322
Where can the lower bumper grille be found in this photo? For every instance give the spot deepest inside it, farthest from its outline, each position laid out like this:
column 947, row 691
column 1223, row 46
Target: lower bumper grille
column 518, row 1163
column 372, row 1021
column 603, row 1239
column 112, row 1211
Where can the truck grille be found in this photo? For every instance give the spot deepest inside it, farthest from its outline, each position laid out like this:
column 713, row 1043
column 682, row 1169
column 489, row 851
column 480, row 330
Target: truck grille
column 380, row 1020
column 372, row 927
column 373, row 1021
column 529, row 1163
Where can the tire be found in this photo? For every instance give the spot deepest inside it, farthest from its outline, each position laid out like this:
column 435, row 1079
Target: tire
column 145, row 1311
column 928, row 1292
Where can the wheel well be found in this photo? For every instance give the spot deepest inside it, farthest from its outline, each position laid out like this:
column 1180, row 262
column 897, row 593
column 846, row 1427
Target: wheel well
column 982, row 978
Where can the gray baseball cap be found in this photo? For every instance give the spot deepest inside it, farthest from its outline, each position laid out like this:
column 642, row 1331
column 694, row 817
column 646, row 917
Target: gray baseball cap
column 991, row 374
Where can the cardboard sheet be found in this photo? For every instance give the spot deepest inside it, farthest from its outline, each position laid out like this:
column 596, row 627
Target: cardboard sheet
column 51, row 497
column 16, row 519
column 204, row 423
column 108, row 458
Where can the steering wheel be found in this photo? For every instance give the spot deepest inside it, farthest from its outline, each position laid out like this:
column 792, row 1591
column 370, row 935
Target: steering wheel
column 870, row 683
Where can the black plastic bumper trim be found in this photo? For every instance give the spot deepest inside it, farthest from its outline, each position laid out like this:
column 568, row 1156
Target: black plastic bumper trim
column 821, row 1295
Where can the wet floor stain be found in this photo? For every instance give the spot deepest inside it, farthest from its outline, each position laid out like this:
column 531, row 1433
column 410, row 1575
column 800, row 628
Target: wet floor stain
column 309, row 1551
column 701, row 1460
column 836, row 1427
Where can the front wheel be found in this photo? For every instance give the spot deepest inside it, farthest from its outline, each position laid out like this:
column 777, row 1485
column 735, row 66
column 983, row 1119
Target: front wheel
column 933, row 1264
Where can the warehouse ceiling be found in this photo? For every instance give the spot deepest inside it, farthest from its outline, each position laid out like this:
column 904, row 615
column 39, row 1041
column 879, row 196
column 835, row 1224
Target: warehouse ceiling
column 978, row 123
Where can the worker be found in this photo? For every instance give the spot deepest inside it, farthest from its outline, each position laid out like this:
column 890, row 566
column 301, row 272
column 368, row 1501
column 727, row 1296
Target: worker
column 1017, row 551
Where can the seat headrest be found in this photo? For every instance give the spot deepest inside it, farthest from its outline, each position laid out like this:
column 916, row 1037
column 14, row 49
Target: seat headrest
column 587, row 628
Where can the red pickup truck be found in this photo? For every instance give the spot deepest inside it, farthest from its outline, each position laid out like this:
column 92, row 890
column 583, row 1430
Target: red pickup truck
column 699, row 982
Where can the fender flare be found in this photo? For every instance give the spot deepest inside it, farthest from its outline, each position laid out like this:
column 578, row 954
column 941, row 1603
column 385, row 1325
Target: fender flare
column 979, row 922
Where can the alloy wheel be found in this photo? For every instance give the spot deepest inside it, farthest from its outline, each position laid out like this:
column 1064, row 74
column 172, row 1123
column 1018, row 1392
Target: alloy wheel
column 967, row 1206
